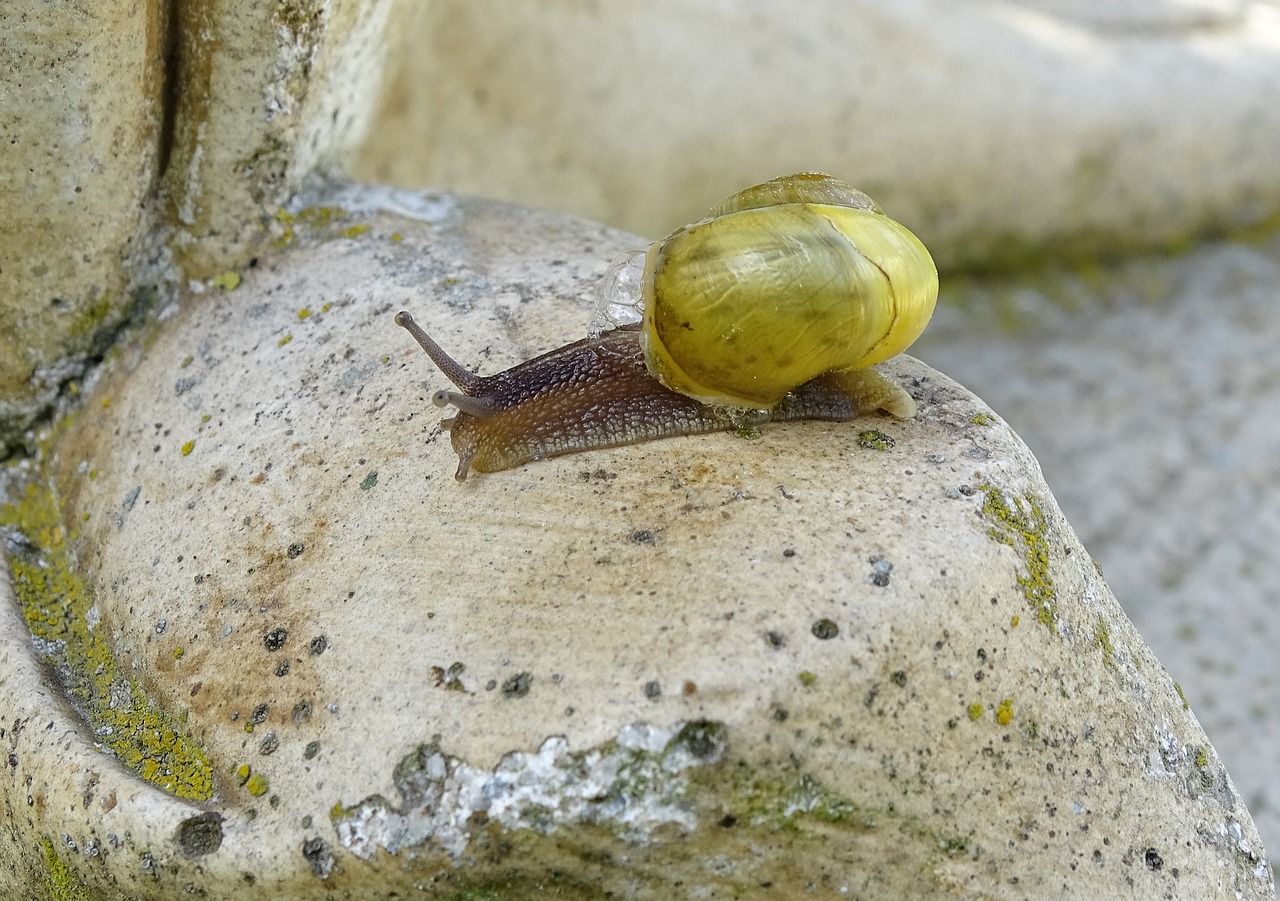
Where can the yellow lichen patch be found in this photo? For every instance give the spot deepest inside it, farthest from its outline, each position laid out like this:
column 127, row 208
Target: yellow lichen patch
column 975, row 711
column 1004, row 712
column 187, row 448
column 55, row 604
column 1022, row 526
column 304, row 313
column 982, row 419
column 1102, row 638
column 1014, row 620
column 354, row 231
column 257, row 785
column 59, row 881
column 285, row 340
column 227, row 281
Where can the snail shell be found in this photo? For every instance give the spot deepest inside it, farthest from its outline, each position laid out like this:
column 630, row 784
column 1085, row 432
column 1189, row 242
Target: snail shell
column 780, row 282
column 771, row 308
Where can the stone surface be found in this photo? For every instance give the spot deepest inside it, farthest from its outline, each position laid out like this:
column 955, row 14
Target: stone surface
column 996, row 131
column 807, row 662
column 265, row 92
column 79, row 130
column 1148, row 392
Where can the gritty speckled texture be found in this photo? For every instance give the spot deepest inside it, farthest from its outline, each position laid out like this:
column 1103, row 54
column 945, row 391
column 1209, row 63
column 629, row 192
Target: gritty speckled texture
column 791, row 663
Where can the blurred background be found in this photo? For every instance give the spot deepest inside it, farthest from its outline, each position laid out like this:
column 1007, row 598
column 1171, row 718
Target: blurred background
column 1099, row 181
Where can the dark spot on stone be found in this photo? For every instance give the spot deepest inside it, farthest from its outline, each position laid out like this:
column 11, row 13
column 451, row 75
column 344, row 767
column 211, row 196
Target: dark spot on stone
column 311, row 750
column 898, row 678
column 880, row 580
column 13, row 760
column 775, row 639
column 318, row 856
column 780, row 714
column 200, row 834
column 161, row 626
column 259, row 714
column 282, row 668
column 825, row 628
column 275, row 639
column 148, row 863
column 728, row 821
column 295, row 550
column 317, row 645
column 653, row 690
column 689, row 688
column 517, row 686
column 1153, row 860
column 704, row 739
column 269, row 745
column 789, row 552
column 643, row 536
column 302, row 711
column 131, row 498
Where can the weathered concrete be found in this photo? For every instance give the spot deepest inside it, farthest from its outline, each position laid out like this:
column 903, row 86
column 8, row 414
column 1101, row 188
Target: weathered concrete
column 1148, row 392
column 146, row 143
column 996, row 131
column 814, row 661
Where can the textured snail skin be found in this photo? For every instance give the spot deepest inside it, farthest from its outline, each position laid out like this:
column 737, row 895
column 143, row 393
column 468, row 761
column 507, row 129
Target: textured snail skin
column 598, row 393
column 771, row 308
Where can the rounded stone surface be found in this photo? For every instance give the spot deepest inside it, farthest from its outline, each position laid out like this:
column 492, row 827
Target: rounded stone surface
column 857, row 658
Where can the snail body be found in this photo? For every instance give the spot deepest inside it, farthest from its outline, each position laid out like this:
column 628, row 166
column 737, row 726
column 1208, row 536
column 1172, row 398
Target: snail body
column 769, row 309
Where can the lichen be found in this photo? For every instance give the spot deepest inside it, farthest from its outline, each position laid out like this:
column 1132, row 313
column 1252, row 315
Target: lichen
column 227, row 281
column 874, row 439
column 1004, row 712
column 59, row 881
column 1022, row 525
column 1102, row 638
column 55, row 603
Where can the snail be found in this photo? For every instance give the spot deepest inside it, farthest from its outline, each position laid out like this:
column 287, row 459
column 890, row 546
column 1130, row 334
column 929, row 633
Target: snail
column 771, row 308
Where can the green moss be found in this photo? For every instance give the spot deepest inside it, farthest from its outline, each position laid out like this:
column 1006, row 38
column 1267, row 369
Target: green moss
column 59, row 881
column 874, row 439
column 55, row 604
column 1021, row 524
column 807, row 678
column 1102, row 638
column 91, row 319
column 227, row 281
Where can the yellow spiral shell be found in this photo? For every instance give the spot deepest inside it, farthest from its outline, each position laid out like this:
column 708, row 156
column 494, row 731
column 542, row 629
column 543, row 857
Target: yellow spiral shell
column 782, row 282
